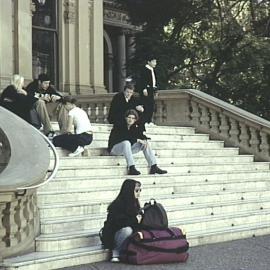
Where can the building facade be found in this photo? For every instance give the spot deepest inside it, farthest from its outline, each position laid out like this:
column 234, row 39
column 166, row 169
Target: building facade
column 83, row 45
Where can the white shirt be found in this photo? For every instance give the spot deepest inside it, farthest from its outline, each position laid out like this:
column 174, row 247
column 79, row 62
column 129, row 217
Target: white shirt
column 81, row 121
column 153, row 75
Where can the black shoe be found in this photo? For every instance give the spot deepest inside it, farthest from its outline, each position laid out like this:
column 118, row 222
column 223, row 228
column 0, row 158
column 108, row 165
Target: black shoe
column 155, row 169
column 133, row 171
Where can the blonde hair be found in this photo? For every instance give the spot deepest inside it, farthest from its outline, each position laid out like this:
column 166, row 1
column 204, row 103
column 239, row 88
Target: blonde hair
column 17, row 81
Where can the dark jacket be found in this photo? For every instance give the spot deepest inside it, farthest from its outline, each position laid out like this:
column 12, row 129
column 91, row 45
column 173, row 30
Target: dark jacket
column 33, row 89
column 118, row 108
column 17, row 103
column 122, row 133
column 146, row 82
column 119, row 216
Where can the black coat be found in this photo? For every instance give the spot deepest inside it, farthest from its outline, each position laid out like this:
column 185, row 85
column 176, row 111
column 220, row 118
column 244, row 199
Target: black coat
column 118, row 108
column 17, row 103
column 33, row 89
column 146, row 82
column 119, row 216
column 122, row 133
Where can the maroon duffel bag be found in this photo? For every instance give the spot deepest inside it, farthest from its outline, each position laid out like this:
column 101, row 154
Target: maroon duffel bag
column 156, row 246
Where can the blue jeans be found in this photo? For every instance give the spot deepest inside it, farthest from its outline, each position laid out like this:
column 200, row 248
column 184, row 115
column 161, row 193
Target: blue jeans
column 125, row 148
column 119, row 238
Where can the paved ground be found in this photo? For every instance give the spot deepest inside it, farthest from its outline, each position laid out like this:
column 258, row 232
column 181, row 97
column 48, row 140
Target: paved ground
column 248, row 254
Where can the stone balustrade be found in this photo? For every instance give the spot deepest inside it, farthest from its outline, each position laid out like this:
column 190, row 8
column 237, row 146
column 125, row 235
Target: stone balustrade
column 207, row 114
column 24, row 161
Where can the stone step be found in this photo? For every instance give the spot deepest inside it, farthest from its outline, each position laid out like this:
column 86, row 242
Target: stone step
column 92, row 170
column 83, row 182
column 80, row 207
column 119, row 160
column 81, row 256
column 162, row 137
column 82, row 222
column 83, row 194
column 170, row 144
column 106, row 128
column 68, row 240
column 102, row 151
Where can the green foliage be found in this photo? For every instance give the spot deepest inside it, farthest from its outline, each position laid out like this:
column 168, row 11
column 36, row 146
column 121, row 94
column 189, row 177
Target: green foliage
column 221, row 47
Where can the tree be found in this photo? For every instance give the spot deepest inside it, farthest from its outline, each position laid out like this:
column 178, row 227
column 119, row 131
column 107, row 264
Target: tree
column 221, row 47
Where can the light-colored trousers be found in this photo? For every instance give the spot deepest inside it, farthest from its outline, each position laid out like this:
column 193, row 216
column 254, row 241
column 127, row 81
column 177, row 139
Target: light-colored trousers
column 125, row 148
column 42, row 111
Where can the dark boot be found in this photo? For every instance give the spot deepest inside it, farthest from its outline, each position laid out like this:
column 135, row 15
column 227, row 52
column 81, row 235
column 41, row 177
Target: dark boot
column 133, row 171
column 155, row 169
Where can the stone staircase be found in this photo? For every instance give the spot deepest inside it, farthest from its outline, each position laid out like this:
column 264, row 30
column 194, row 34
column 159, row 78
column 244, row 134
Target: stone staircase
column 210, row 191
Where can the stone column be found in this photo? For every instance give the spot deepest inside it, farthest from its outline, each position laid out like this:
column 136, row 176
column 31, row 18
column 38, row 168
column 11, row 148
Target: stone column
column 131, row 47
column 67, row 44
column 6, row 43
column 121, row 63
column 83, row 49
column 23, row 38
column 96, row 47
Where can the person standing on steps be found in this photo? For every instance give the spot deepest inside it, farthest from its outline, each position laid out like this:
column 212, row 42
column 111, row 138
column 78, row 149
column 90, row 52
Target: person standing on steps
column 123, row 217
column 148, row 89
column 128, row 139
column 82, row 126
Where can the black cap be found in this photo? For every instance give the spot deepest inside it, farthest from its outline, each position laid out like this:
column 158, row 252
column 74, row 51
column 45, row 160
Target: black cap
column 43, row 77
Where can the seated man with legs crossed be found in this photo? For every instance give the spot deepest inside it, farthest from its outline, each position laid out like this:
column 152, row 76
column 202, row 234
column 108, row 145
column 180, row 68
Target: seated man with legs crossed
column 128, row 139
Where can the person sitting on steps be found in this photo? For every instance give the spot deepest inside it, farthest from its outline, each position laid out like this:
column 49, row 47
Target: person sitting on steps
column 129, row 139
column 123, row 218
column 83, row 129
column 44, row 93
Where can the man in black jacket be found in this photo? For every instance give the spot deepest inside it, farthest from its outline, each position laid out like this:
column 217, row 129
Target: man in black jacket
column 122, row 102
column 128, row 139
column 148, row 89
column 42, row 90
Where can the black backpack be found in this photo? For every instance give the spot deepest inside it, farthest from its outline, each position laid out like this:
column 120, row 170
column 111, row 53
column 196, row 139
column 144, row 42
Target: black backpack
column 154, row 216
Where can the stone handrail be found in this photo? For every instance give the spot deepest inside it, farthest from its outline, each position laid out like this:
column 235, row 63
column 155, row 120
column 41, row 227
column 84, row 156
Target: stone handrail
column 24, row 158
column 207, row 114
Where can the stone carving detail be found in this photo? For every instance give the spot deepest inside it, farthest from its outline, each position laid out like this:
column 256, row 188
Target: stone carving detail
column 69, row 11
column 117, row 16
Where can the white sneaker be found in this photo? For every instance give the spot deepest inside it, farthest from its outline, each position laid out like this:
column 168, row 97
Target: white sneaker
column 77, row 152
column 115, row 260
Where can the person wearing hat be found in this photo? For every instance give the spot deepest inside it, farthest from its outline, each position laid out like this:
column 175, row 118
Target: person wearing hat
column 42, row 90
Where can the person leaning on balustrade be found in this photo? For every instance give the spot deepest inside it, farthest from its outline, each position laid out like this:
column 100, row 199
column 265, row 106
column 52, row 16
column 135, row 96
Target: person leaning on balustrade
column 16, row 99
column 122, row 102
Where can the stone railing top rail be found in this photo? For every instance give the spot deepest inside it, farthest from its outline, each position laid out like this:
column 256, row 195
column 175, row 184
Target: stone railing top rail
column 29, row 154
column 218, row 105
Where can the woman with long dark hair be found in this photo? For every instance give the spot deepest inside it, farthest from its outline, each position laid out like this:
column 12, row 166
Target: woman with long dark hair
column 123, row 217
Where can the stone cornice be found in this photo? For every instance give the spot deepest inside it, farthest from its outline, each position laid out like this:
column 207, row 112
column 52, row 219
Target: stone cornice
column 118, row 18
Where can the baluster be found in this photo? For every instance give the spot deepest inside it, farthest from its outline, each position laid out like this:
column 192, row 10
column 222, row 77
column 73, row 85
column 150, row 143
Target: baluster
column 10, row 224
column 105, row 114
column 234, row 131
column 244, row 137
column 19, row 219
column 89, row 112
column 164, row 111
column 205, row 119
column 214, row 123
column 254, row 142
column 195, row 114
column 2, row 226
column 224, row 127
column 96, row 113
column 264, row 146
